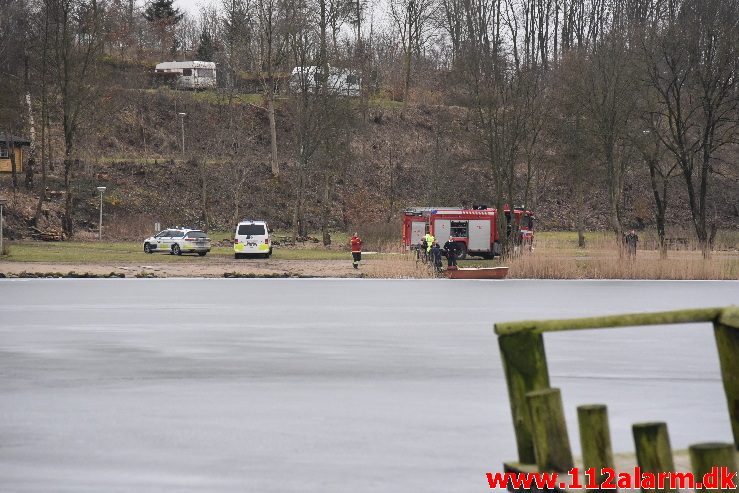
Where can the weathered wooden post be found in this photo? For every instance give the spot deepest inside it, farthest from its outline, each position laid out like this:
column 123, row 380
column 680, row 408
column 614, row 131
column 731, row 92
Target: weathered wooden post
column 525, row 366
column 653, row 450
column 705, row 456
column 595, row 437
column 549, row 430
column 726, row 330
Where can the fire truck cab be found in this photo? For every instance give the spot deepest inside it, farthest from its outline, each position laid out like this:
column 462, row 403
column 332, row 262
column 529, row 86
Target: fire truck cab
column 474, row 230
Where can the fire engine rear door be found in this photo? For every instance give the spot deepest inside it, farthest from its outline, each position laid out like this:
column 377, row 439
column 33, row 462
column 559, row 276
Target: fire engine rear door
column 418, row 229
column 479, row 232
column 441, row 230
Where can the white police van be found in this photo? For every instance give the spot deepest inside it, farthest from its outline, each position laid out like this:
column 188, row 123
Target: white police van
column 252, row 238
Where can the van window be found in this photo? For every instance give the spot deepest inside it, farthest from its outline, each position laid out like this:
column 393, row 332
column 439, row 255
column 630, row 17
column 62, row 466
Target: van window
column 187, row 72
column 251, row 229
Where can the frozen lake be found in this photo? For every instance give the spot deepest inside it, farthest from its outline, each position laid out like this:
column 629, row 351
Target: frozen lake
column 265, row 385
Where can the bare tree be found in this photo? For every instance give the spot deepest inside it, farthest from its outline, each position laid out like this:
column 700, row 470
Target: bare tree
column 694, row 67
column 608, row 98
column 74, row 29
column 413, row 21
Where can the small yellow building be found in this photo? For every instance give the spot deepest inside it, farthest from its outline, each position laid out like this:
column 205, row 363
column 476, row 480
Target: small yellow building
column 12, row 144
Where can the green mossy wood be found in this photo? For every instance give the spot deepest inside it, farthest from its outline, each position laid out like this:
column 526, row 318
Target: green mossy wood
column 525, row 366
column 726, row 330
column 627, row 320
column 705, row 456
column 653, row 450
column 549, row 430
column 595, row 436
column 524, row 359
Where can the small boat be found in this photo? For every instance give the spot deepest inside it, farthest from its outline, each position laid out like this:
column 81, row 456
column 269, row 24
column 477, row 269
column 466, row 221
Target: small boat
column 476, row 273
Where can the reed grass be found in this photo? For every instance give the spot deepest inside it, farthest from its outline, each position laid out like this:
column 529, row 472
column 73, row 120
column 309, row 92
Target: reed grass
column 396, row 266
column 556, row 258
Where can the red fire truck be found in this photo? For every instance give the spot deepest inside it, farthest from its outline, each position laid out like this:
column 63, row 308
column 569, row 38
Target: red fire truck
column 474, row 230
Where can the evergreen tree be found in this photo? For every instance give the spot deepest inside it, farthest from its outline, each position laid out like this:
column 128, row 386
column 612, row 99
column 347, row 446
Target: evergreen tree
column 162, row 11
column 206, row 49
column 163, row 17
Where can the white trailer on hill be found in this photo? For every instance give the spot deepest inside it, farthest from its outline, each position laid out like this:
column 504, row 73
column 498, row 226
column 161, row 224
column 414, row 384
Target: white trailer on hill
column 188, row 75
column 341, row 82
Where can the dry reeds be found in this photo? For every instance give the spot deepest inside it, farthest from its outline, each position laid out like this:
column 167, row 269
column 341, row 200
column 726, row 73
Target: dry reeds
column 602, row 260
column 397, row 266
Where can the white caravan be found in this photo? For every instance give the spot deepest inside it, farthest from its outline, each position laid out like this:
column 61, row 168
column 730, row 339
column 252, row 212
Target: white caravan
column 341, row 82
column 188, row 75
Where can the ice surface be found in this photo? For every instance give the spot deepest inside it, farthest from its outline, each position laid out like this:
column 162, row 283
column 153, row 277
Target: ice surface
column 265, row 385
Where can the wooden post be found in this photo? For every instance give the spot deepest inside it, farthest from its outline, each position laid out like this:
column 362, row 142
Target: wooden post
column 726, row 331
column 525, row 366
column 595, row 437
column 705, row 456
column 653, row 450
column 549, row 430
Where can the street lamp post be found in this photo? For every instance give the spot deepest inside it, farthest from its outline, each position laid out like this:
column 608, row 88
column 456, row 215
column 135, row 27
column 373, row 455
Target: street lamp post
column 2, row 203
column 100, row 222
column 182, row 116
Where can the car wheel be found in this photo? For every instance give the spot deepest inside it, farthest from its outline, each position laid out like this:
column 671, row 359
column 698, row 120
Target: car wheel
column 462, row 249
column 267, row 255
column 202, row 254
column 176, row 249
column 147, row 248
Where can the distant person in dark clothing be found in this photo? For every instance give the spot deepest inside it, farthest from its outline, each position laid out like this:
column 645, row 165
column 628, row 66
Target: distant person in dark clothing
column 436, row 256
column 631, row 239
column 451, row 252
column 422, row 249
column 356, row 250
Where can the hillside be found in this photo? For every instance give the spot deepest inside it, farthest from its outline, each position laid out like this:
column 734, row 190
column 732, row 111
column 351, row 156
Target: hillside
column 420, row 155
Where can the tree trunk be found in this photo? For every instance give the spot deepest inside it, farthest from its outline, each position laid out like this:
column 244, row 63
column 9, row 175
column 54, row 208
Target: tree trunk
column 326, row 208
column 68, row 222
column 580, row 199
column 32, row 131
column 272, row 132
column 299, row 230
column 10, row 146
column 204, row 192
column 660, row 206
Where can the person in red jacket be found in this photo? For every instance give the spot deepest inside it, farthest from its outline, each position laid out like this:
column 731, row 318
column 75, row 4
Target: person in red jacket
column 356, row 250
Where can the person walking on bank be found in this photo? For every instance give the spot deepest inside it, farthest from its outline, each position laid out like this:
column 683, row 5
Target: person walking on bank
column 436, row 256
column 451, row 252
column 631, row 240
column 356, row 250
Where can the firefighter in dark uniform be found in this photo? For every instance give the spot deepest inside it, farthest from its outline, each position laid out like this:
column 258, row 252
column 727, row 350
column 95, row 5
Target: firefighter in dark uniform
column 451, row 252
column 436, row 256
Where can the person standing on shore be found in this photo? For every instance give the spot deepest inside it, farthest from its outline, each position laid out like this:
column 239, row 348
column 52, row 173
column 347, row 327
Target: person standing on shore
column 356, row 250
column 631, row 240
column 451, row 252
column 436, row 257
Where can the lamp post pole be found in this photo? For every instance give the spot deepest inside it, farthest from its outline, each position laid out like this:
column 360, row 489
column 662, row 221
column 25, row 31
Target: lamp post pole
column 182, row 116
column 2, row 219
column 100, row 222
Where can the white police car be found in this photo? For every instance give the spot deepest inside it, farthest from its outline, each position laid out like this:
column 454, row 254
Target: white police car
column 252, row 238
column 177, row 241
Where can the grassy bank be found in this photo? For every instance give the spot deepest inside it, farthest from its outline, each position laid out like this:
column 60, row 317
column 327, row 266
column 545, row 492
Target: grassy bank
column 555, row 256
column 128, row 252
